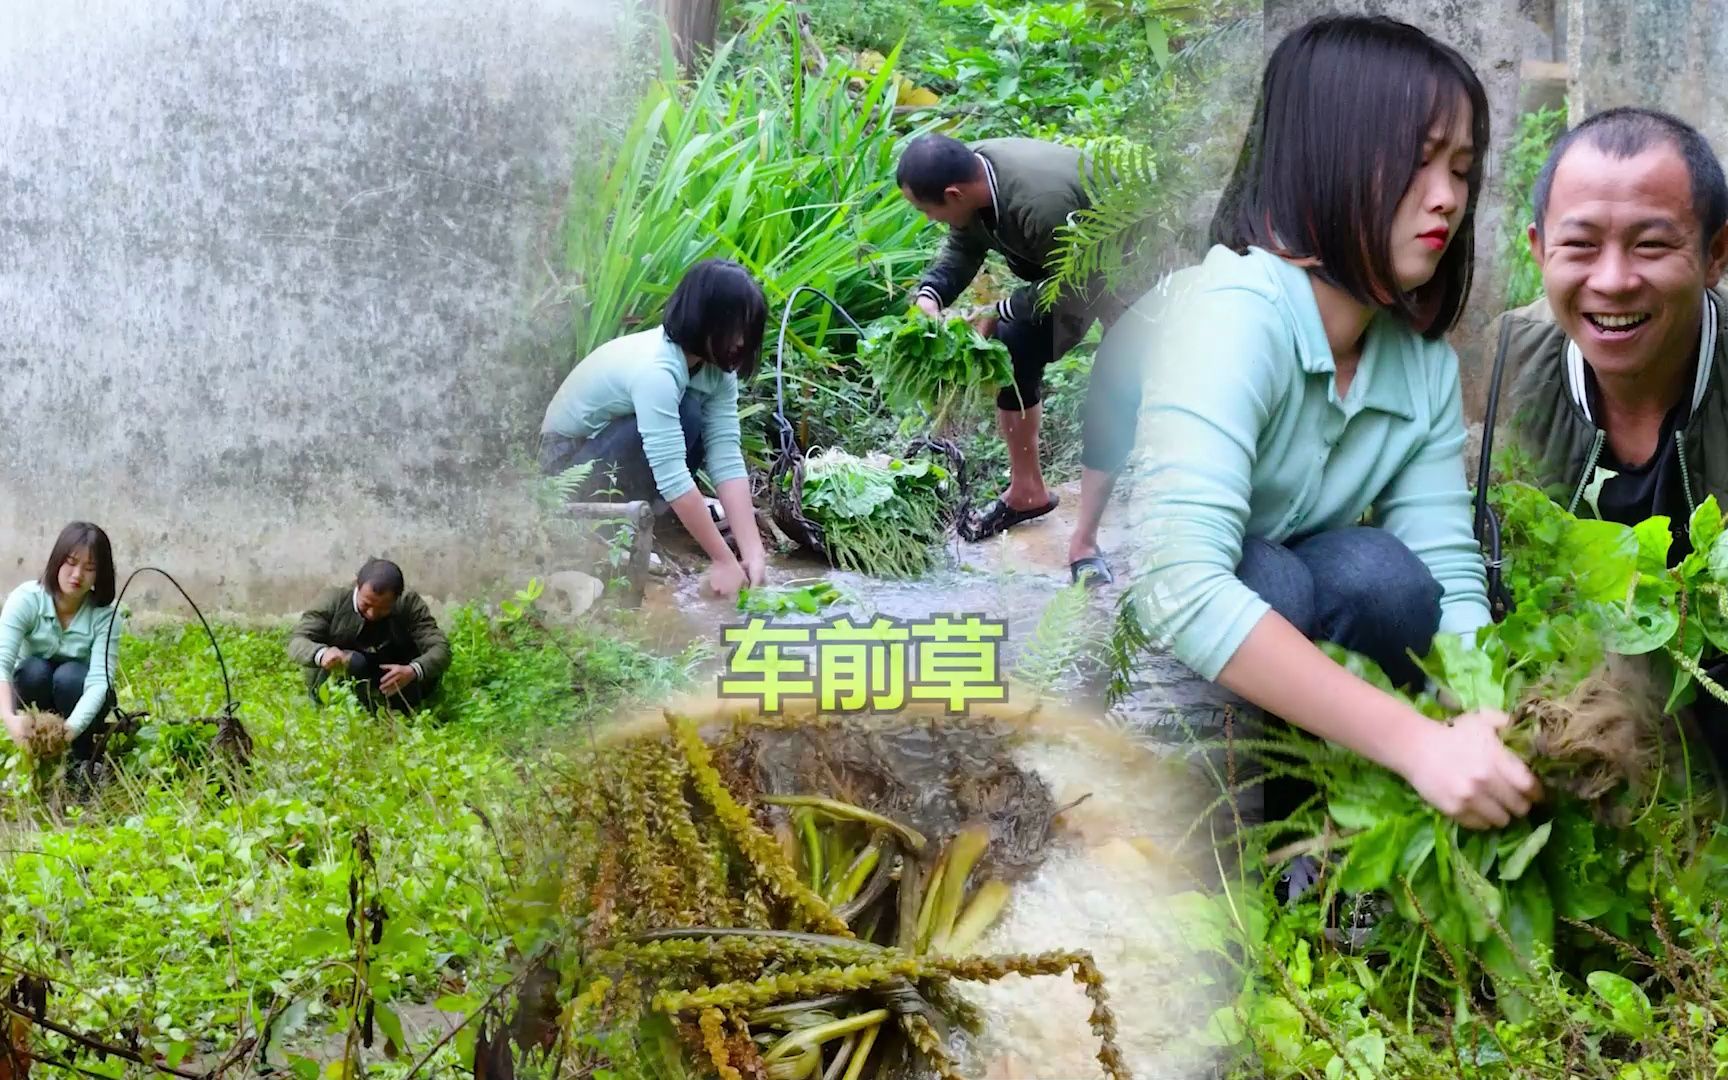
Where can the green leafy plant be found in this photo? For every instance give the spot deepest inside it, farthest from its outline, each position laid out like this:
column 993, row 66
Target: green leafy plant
column 807, row 599
column 879, row 515
column 182, row 907
column 1583, row 940
column 935, row 364
column 1537, row 133
column 789, row 173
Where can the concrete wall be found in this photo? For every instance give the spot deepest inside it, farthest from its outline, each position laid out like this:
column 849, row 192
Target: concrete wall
column 274, row 287
column 1670, row 54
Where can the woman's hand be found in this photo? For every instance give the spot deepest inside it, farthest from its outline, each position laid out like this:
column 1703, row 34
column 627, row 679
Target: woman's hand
column 725, row 578
column 1467, row 773
column 755, row 566
column 15, row 727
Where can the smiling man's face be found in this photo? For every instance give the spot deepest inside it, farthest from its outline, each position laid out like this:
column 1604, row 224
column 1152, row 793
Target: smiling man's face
column 1623, row 259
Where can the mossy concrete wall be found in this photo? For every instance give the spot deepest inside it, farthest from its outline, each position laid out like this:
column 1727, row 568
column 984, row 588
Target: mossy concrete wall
column 277, row 282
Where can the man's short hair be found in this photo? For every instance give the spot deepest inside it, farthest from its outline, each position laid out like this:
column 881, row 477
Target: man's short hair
column 1628, row 131
column 383, row 575
column 933, row 163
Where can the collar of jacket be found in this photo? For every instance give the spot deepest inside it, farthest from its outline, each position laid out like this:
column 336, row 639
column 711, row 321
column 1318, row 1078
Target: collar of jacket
column 990, row 177
column 1576, row 384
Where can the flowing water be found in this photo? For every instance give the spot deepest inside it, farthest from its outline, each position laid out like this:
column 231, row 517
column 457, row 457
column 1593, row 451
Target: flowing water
column 1114, row 862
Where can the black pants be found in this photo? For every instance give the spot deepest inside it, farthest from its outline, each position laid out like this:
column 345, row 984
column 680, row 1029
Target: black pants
column 55, row 686
column 1357, row 587
column 621, row 465
column 1112, row 407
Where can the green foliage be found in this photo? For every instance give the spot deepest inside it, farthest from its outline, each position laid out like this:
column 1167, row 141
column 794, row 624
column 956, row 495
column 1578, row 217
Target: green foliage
column 879, row 515
column 1149, row 169
column 1581, row 941
column 1537, row 133
column 1062, row 640
column 807, row 599
column 934, row 363
column 193, row 903
column 790, row 174
column 1051, row 70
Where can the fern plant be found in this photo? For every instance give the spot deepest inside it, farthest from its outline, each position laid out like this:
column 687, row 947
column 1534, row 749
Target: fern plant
column 1141, row 185
column 1098, row 243
column 1063, row 638
column 568, row 484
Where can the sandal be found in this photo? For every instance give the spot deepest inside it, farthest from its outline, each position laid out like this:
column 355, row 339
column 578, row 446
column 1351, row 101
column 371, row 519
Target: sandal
column 1093, row 570
column 999, row 516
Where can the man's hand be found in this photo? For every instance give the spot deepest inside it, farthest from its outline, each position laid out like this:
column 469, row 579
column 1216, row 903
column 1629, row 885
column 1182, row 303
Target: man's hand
column 396, row 676
column 334, row 659
column 929, row 307
column 986, row 324
column 1466, row 772
column 726, row 578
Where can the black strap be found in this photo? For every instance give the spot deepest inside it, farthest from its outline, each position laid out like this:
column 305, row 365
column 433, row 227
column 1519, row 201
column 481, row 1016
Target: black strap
column 1486, row 524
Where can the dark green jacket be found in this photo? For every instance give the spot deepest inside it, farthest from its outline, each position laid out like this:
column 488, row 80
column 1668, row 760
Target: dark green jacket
column 1549, row 416
column 1036, row 186
column 334, row 621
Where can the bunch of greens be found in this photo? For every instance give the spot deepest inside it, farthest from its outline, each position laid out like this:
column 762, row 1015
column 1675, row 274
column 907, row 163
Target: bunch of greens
column 1583, row 940
column 808, row 599
column 936, row 364
column 879, row 515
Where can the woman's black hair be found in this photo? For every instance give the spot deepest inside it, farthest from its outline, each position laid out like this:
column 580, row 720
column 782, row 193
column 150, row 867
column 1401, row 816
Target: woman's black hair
column 1344, row 113
column 716, row 304
column 91, row 538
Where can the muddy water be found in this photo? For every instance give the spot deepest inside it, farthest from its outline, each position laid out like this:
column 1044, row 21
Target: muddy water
column 1109, row 876
column 1011, row 577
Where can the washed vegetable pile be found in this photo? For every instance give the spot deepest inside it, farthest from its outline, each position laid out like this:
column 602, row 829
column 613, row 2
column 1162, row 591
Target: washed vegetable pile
column 879, row 515
column 936, row 364
column 798, row 900
column 1584, row 940
column 805, row 599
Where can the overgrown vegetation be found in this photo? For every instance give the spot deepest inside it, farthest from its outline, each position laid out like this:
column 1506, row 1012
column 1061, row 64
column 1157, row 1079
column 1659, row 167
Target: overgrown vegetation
column 196, row 912
column 1584, row 941
column 784, row 159
column 1537, row 133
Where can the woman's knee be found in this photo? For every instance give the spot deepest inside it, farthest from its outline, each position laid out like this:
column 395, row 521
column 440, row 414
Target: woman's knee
column 69, row 685
column 1278, row 577
column 690, row 419
column 33, row 682
column 1375, row 578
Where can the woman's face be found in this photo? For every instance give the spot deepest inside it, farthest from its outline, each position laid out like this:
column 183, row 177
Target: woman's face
column 1427, row 218
column 78, row 574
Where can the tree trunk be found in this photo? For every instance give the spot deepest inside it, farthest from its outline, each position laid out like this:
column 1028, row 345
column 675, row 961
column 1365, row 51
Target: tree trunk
column 693, row 25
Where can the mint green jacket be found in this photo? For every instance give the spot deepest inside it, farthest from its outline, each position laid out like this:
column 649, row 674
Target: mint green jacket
column 29, row 627
column 646, row 375
column 1243, row 434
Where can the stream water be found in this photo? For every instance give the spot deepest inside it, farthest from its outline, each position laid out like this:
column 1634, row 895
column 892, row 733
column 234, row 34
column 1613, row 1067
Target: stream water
column 1121, row 856
column 1012, row 577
